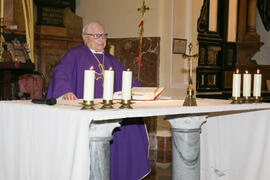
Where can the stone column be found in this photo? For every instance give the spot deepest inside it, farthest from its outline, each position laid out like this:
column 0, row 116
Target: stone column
column 251, row 21
column 186, row 146
column 100, row 135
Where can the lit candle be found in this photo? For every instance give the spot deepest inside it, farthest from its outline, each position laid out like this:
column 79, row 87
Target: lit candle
column 2, row 10
column 89, row 84
column 108, row 84
column 126, row 84
column 246, row 84
column 257, row 84
column 236, row 84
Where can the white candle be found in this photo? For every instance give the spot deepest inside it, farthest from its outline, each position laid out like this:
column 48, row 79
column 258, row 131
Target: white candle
column 236, row 84
column 108, row 84
column 89, row 84
column 257, row 84
column 126, row 84
column 2, row 9
column 246, row 84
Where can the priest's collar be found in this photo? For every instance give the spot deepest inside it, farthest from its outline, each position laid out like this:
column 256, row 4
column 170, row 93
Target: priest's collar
column 95, row 52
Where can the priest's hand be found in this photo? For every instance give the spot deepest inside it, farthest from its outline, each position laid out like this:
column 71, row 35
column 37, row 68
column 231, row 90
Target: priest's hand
column 69, row 96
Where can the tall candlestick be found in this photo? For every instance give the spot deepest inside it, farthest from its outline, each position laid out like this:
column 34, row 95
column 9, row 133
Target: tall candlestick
column 2, row 10
column 236, row 84
column 108, row 84
column 246, row 84
column 257, row 84
column 126, row 85
column 89, row 84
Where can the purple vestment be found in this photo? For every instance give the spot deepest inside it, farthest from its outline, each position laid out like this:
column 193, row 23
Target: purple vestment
column 129, row 150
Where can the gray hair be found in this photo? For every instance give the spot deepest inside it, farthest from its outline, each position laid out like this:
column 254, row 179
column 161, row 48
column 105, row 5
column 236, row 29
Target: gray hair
column 90, row 26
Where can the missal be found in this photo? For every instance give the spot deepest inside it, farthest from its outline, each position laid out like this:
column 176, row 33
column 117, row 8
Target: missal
column 142, row 93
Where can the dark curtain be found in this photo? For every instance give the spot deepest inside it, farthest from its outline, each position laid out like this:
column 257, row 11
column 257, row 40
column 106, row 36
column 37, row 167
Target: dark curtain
column 264, row 11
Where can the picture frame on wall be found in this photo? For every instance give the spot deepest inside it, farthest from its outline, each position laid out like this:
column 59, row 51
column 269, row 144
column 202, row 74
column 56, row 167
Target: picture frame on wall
column 179, row 46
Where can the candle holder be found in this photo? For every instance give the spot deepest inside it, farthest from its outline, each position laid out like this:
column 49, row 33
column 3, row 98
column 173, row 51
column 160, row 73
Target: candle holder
column 107, row 104
column 88, row 105
column 257, row 99
column 236, row 100
column 126, row 104
column 190, row 99
column 247, row 100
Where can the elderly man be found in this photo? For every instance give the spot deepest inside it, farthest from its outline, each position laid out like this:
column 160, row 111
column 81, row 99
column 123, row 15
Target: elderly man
column 129, row 150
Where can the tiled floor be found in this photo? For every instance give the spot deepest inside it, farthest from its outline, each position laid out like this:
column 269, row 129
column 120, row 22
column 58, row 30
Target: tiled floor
column 160, row 171
column 161, row 166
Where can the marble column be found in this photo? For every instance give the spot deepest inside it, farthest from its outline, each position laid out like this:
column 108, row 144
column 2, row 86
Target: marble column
column 100, row 135
column 186, row 146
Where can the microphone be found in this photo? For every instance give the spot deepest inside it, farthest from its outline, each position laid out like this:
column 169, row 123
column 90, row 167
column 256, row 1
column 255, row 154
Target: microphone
column 50, row 101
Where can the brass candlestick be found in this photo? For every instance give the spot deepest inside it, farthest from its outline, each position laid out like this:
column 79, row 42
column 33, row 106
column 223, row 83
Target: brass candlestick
column 257, row 99
column 126, row 104
column 190, row 99
column 107, row 104
column 246, row 99
column 88, row 105
column 236, row 100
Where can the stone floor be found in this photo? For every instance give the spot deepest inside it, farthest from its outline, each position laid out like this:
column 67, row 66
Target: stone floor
column 161, row 165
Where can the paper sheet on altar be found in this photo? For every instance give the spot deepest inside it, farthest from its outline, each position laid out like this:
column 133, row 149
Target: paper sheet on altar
column 43, row 145
column 236, row 146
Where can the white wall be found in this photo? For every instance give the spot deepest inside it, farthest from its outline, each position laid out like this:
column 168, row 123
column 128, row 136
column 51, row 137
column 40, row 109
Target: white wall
column 166, row 19
column 262, row 57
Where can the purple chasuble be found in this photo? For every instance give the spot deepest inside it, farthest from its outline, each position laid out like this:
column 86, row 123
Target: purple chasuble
column 129, row 150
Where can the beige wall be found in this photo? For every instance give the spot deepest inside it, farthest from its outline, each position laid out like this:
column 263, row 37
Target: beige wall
column 262, row 56
column 166, row 19
column 232, row 20
column 213, row 10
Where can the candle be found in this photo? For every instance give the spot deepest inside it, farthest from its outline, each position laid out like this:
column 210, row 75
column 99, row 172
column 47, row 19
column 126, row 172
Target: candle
column 108, row 84
column 246, row 84
column 111, row 49
column 257, row 84
column 236, row 84
column 89, row 84
column 126, row 84
column 2, row 10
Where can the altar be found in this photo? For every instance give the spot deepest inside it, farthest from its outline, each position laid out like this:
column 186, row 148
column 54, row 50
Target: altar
column 52, row 142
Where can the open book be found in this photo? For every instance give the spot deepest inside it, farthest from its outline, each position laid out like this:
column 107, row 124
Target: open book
column 142, row 93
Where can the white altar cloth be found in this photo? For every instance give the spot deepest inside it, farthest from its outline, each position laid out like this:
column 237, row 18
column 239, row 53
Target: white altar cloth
column 41, row 142
column 236, row 146
column 38, row 142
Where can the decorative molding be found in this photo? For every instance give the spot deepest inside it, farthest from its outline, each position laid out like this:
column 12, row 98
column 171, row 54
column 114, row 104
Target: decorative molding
column 202, row 23
column 212, row 55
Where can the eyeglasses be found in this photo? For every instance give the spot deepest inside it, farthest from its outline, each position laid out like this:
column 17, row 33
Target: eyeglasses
column 97, row 36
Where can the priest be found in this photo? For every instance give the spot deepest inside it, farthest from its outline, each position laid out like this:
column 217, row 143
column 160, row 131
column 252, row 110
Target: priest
column 129, row 150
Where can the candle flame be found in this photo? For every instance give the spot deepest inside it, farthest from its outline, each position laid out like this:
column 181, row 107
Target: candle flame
column 237, row 71
column 258, row 71
column 128, row 69
column 91, row 68
column 110, row 68
column 246, row 71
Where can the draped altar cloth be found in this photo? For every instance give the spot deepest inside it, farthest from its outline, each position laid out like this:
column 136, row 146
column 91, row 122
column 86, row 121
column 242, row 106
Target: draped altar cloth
column 43, row 143
column 51, row 142
column 236, row 146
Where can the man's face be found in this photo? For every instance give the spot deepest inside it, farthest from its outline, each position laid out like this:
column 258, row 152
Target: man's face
column 96, row 43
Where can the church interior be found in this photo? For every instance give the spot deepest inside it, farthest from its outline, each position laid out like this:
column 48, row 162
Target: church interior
column 158, row 40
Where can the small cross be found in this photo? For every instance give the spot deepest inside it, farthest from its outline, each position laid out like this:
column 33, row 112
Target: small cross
column 143, row 8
